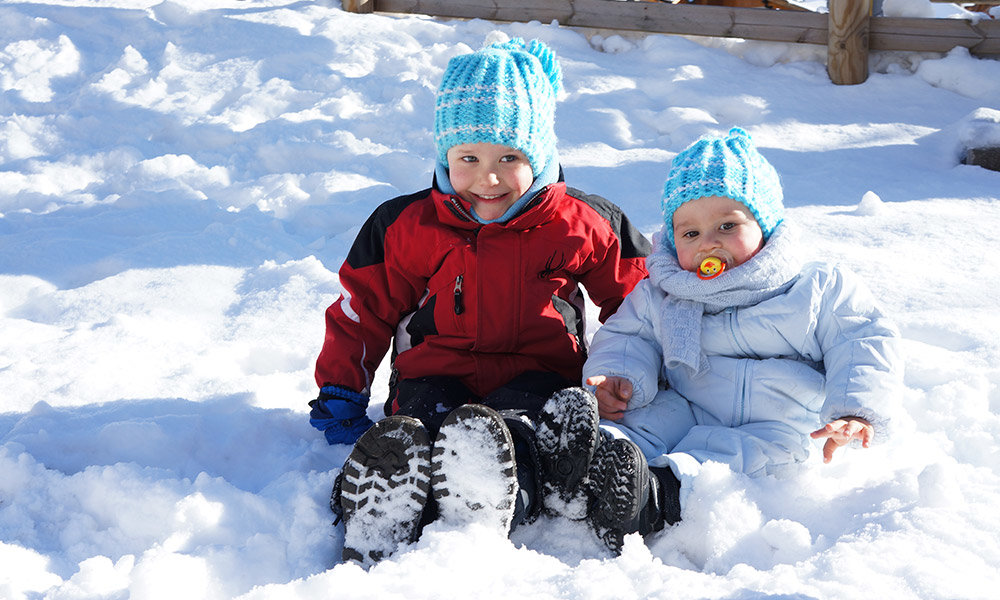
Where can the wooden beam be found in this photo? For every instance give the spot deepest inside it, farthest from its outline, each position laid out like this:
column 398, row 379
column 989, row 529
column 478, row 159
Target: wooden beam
column 650, row 17
column 935, row 35
column 886, row 33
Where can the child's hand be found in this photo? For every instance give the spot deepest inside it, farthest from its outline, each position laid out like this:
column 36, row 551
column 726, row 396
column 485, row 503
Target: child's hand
column 612, row 395
column 841, row 432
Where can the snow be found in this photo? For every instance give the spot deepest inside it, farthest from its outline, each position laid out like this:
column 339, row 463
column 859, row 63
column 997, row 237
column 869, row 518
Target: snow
column 179, row 185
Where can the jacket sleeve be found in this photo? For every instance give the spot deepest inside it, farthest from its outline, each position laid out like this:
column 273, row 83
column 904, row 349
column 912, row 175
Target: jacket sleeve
column 618, row 261
column 377, row 292
column 861, row 353
column 626, row 346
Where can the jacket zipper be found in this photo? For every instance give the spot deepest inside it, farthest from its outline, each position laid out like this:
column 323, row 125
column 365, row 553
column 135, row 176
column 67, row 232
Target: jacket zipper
column 457, row 207
column 744, row 381
column 739, row 408
column 459, row 306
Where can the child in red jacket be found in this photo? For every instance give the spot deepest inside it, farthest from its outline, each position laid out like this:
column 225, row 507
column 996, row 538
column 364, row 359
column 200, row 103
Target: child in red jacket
column 476, row 282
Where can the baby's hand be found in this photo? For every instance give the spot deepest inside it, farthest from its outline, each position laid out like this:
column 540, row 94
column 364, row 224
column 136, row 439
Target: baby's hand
column 841, row 432
column 612, row 395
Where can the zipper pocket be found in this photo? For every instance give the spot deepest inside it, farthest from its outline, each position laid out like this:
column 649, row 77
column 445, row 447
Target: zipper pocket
column 459, row 306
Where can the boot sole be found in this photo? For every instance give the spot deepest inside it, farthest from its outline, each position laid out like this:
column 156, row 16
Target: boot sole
column 567, row 437
column 472, row 436
column 385, row 486
column 617, row 478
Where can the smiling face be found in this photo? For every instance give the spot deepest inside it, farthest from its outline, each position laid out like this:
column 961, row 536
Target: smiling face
column 715, row 226
column 490, row 177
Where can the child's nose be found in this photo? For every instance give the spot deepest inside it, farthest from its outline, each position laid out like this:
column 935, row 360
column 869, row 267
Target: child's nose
column 710, row 241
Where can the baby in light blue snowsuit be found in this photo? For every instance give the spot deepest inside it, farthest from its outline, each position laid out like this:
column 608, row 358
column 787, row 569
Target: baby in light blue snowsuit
column 734, row 350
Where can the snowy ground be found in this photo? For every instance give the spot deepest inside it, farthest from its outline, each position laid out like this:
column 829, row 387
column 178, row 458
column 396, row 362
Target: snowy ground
column 179, row 185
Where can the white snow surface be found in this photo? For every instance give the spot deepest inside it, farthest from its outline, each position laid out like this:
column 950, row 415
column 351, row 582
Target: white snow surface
column 180, row 181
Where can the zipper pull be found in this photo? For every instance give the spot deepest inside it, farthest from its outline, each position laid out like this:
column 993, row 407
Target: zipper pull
column 459, row 309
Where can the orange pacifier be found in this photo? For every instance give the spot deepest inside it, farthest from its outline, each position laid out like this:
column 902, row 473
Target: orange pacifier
column 711, row 267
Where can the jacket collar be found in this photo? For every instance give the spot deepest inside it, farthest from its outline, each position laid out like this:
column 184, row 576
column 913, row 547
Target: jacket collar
column 542, row 207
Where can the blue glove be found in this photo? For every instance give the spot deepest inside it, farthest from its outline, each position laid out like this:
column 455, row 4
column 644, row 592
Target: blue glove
column 340, row 413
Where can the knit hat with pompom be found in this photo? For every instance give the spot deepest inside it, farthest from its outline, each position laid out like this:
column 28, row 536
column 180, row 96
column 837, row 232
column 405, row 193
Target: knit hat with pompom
column 730, row 167
column 503, row 94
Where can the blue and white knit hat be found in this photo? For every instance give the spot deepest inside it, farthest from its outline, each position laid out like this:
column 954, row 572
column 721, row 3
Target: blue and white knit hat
column 730, row 167
column 503, row 94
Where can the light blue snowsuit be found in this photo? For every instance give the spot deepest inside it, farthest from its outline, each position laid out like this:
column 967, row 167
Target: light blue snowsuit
column 790, row 348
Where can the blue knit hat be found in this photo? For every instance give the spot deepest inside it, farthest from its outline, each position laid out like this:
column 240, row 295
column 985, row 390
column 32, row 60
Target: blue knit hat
column 503, row 94
column 729, row 167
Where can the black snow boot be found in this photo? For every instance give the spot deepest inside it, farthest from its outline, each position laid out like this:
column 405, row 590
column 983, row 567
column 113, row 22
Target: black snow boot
column 383, row 489
column 567, row 436
column 522, row 431
column 629, row 496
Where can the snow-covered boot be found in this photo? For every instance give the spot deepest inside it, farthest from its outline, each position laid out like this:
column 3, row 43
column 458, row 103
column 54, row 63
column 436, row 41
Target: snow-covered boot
column 567, row 436
column 474, row 477
column 383, row 489
column 629, row 496
column 526, row 459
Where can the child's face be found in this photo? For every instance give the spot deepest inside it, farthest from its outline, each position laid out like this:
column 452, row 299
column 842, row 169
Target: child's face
column 715, row 226
column 491, row 177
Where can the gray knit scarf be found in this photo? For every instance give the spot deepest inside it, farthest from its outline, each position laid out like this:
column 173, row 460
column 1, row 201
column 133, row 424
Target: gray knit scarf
column 769, row 273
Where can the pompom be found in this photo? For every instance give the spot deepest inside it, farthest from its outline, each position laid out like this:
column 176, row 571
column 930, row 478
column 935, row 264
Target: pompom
column 740, row 136
column 549, row 64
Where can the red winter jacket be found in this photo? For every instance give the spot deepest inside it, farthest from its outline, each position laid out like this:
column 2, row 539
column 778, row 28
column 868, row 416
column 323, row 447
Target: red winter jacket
column 483, row 303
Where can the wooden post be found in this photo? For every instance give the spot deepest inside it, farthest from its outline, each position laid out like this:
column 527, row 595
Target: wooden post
column 358, row 6
column 847, row 43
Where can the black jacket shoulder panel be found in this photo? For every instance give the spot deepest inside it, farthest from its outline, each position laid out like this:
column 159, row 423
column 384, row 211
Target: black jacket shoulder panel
column 634, row 244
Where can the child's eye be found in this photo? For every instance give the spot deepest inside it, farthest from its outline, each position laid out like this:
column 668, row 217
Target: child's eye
column 690, row 235
column 727, row 226
column 509, row 158
column 470, row 159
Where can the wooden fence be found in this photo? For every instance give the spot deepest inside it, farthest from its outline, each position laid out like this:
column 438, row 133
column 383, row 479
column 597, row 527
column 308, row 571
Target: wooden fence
column 847, row 31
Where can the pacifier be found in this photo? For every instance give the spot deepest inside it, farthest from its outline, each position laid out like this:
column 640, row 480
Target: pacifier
column 711, row 267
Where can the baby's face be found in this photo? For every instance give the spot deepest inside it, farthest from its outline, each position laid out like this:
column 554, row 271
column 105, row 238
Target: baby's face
column 715, row 226
column 490, row 177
